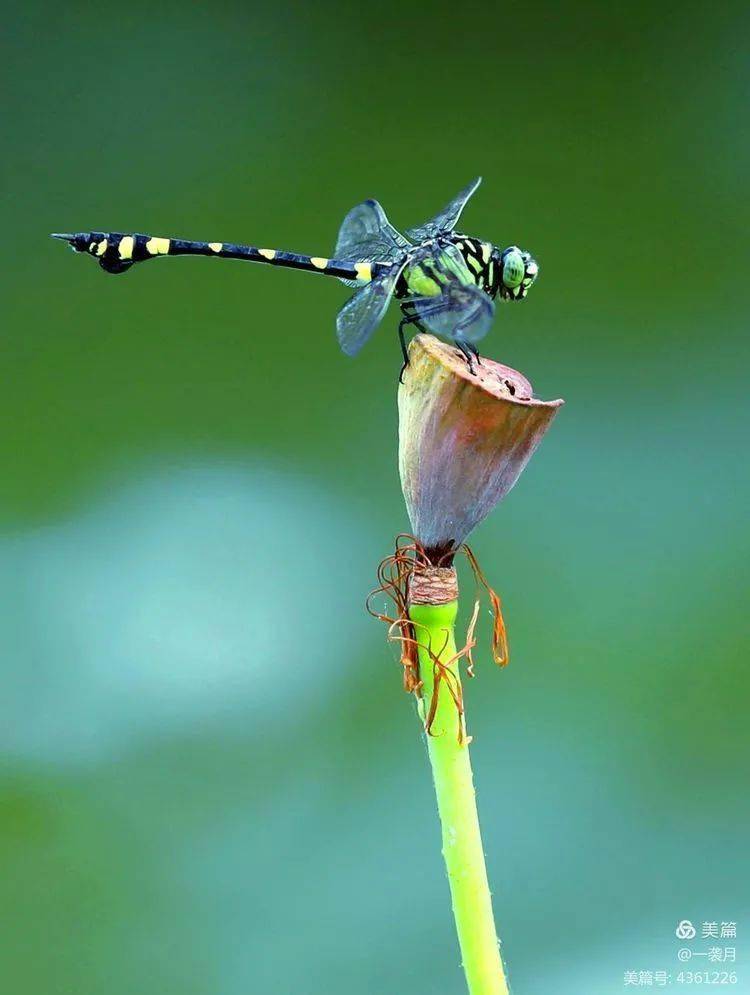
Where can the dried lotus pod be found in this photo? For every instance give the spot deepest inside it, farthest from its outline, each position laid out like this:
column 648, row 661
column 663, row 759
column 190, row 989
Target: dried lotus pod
column 464, row 439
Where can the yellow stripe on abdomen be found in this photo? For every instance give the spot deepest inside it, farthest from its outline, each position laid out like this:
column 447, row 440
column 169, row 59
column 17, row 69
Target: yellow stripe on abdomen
column 125, row 247
column 158, row 246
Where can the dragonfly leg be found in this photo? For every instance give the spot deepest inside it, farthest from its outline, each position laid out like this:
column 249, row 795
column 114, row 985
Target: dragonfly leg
column 402, row 340
column 475, row 353
column 412, row 319
column 468, row 352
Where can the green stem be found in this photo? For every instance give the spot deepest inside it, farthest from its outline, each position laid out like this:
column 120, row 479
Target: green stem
column 454, row 787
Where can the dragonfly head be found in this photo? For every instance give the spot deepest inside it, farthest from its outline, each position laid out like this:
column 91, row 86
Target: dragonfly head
column 518, row 270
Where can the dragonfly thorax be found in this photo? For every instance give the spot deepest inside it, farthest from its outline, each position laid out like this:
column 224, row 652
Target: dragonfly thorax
column 453, row 258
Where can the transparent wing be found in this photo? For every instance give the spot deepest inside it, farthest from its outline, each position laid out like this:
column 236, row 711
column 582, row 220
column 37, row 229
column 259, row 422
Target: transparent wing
column 454, row 261
column 362, row 313
column 366, row 233
column 460, row 312
column 448, row 217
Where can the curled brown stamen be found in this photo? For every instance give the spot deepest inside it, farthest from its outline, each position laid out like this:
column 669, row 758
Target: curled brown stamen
column 394, row 575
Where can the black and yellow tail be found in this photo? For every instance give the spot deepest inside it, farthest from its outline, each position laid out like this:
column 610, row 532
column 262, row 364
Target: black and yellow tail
column 117, row 252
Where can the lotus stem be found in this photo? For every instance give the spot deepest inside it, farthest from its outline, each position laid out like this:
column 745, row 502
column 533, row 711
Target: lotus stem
column 448, row 748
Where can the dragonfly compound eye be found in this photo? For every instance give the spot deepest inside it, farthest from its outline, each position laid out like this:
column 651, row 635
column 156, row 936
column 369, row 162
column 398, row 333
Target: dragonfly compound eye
column 514, row 268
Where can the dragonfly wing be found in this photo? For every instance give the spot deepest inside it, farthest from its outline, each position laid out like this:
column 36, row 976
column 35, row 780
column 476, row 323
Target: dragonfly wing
column 366, row 233
column 363, row 312
column 460, row 312
column 454, row 260
column 448, row 217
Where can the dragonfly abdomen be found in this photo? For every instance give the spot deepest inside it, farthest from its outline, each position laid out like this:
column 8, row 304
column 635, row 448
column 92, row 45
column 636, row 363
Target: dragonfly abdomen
column 117, row 252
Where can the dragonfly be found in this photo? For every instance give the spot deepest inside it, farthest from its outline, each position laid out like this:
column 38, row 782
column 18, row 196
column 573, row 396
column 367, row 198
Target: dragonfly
column 445, row 282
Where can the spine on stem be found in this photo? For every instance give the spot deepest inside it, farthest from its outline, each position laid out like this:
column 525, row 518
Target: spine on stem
column 433, row 605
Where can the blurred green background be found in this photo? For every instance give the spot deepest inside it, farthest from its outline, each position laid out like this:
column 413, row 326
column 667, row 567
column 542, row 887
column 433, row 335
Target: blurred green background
column 211, row 780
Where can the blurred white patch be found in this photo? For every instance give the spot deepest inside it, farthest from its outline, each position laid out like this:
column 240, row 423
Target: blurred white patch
column 193, row 595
